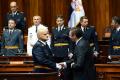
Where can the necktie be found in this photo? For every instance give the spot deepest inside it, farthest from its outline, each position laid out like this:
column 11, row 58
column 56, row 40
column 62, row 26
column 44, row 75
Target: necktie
column 47, row 47
column 36, row 29
column 10, row 32
column 84, row 29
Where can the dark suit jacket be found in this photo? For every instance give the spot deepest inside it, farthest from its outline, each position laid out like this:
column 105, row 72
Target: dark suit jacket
column 43, row 55
column 83, row 69
column 19, row 17
column 91, row 36
column 61, row 37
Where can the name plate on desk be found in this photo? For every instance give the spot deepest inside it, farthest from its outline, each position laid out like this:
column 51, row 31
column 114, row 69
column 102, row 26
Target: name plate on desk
column 16, row 62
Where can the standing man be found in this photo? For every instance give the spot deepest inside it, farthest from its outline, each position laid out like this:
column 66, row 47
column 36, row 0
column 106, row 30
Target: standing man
column 18, row 16
column 32, row 34
column 82, row 65
column 42, row 55
column 61, row 43
column 115, row 37
column 12, row 40
column 89, row 34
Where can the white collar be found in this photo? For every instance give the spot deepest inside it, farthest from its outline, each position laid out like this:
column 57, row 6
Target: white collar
column 14, row 12
column 61, row 27
column 118, row 28
column 82, row 28
column 78, row 40
column 11, row 29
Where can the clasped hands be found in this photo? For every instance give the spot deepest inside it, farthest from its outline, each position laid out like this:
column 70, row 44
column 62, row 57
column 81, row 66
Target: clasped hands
column 61, row 65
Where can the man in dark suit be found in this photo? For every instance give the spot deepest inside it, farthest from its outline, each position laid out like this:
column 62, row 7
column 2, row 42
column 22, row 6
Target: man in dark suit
column 12, row 40
column 89, row 34
column 115, row 37
column 41, row 53
column 60, row 43
column 19, row 17
column 82, row 65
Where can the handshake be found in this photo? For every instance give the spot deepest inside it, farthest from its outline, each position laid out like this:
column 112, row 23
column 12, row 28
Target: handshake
column 61, row 65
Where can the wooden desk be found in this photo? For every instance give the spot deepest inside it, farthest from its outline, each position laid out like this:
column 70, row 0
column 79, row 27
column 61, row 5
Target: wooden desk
column 29, row 76
column 15, row 58
column 16, row 64
column 108, row 71
column 15, row 68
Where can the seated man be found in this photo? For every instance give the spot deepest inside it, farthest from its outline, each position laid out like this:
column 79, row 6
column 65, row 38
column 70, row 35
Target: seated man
column 12, row 40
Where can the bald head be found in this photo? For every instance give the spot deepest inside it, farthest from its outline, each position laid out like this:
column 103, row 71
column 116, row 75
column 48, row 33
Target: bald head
column 43, row 33
column 13, row 6
column 36, row 20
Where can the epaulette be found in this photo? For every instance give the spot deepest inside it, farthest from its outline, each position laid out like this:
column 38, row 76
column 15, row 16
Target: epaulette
column 18, row 30
column 22, row 12
column 92, row 26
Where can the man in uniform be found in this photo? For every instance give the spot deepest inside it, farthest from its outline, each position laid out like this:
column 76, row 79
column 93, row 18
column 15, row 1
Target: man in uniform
column 61, row 44
column 42, row 55
column 12, row 40
column 18, row 16
column 32, row 34
column 89, row 34
column 115, row 37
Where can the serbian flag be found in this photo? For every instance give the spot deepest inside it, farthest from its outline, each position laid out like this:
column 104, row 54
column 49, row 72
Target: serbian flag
column 77, row 13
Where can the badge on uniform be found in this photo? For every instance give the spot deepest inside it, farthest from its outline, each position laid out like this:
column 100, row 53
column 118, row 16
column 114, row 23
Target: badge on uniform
column 96, row 33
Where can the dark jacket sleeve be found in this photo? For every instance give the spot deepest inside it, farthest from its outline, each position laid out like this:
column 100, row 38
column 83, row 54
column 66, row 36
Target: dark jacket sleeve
column 95, row 40
column 21, row 42
column 41, row 58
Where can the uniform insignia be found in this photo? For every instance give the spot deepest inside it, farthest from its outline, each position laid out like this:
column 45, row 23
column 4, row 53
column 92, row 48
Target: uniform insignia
column 21, row 36
column 96, row 33
column 43, row 45
column 24, row 18
column 22, row 12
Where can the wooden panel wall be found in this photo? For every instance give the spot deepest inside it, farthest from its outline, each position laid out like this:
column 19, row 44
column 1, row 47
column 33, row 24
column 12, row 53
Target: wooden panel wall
column 99, row 12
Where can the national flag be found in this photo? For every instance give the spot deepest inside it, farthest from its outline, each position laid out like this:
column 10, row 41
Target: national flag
column 77, row 13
